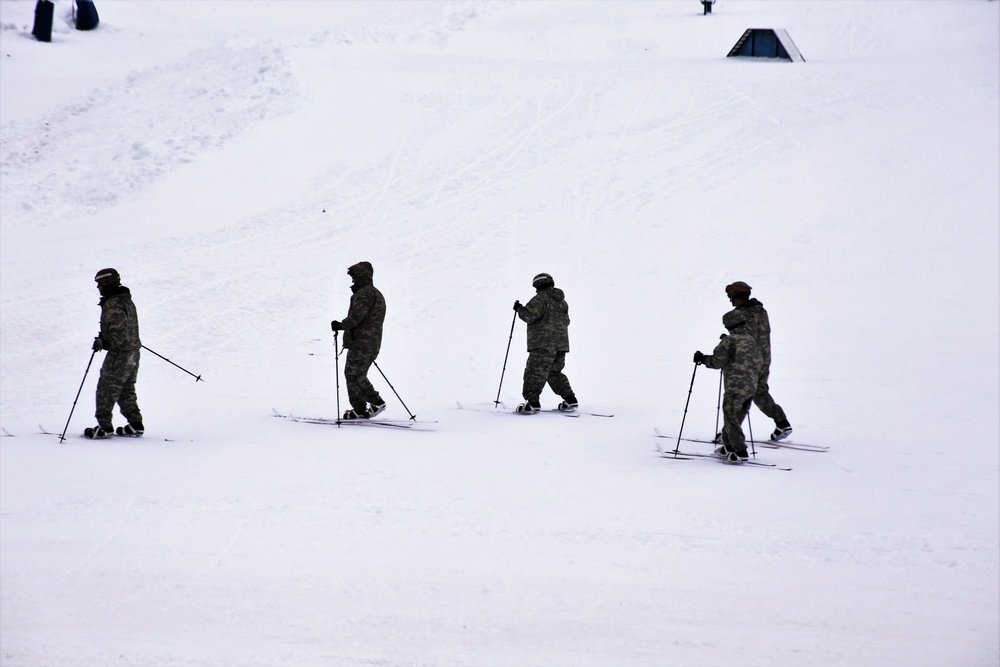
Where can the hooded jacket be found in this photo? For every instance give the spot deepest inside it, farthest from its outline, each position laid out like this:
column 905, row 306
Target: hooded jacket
column 737, row 354
column 547, row 315
column 119, row 322
column 760, row 325
column 363, row 324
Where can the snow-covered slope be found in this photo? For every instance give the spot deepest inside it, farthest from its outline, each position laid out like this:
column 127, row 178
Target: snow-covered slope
column 231, row 160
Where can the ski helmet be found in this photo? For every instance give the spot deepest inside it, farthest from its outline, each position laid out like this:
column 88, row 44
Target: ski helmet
column 542, row 280
column 739, row 289
column 107, row 277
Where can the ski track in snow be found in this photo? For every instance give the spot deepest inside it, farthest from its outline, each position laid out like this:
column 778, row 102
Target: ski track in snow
column 222, row 91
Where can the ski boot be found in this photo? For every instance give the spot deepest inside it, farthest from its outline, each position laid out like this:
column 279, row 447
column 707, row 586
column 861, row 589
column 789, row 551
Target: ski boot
column 568, row 405
column 736, row 457
column 98, row 432
column 528, row 408
column 783, row 430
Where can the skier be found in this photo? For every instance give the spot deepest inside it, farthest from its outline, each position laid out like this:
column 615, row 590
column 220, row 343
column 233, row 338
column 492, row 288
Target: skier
column 362, row 339
column 739, row 295
column 119, row 337
column 547, row 315
column 739, row 358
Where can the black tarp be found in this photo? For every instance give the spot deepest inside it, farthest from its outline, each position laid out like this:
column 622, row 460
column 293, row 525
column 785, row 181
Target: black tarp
column 42, row 30
column 86, row 15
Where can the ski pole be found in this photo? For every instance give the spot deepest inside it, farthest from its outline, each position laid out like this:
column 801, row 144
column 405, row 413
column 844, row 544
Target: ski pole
column 683, row 418
column 753, row 449
column 63, row 436
column 197, row 378
column 496, row 403
column 412, row 416
column 336, row 372
column 718, row 407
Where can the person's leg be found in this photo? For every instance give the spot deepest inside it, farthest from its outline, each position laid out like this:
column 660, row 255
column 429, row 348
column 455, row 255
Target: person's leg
column 734, row 409
column 536, row 373
column 115, row 372
column 359, row 388
column 128, row 403
column 558, row 381
column 765, row 403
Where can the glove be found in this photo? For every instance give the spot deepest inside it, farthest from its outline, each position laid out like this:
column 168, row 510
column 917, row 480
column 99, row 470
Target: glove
column 98, row 344
column 517, row 305
column 699, row 358
column 336, row 325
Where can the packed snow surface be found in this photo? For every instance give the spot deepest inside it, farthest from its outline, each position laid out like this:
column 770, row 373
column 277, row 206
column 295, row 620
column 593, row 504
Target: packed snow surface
column 232, row 159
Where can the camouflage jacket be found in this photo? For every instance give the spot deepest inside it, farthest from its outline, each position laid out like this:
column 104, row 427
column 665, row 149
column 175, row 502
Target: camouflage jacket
column 363, row 324
column 760, row 325
column 119, row 322
column 739, row 358
column 547, row 315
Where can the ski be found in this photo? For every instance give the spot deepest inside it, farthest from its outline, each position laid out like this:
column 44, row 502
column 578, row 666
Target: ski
column 669, row 453
column 357, row 422
column 660, row 434
column 761, row 464
column 387, row 423
column 577, row 413
column 788, row 444
column 691, row 456
column 770, row 444
column 83, row 436
column 345, row 422
column 502, row 408
column 499, row 408
column 687, row 456
column 6, row 433
column 45, row 431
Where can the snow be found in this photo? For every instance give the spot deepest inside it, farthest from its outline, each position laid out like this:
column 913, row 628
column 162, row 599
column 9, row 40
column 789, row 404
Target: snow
column 231, row 160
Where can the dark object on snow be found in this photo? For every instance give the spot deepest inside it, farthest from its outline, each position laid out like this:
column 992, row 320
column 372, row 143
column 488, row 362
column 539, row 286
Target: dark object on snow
column 86, row 15
column 767, row 43
column 42, row 30
column 708, row 5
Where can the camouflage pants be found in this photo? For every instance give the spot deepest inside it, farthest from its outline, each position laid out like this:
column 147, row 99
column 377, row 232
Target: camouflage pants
column 360, row 391
column 545, row 366
column 735, row 405
column 762, row 399
column 117, row 385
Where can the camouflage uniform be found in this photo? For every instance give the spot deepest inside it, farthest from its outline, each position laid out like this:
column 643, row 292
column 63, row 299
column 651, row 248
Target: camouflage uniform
column 120, row 337
column 740, row 360
column 759, row 323
column 547, row 315
column 362, row 337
